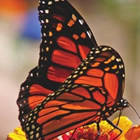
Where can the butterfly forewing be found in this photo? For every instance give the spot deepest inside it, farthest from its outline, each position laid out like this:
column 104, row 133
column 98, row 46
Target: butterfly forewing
column 86, row 96
column 65, row 37
column 66, row 41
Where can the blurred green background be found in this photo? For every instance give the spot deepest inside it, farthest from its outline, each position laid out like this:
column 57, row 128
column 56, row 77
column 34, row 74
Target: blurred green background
column 114, row 22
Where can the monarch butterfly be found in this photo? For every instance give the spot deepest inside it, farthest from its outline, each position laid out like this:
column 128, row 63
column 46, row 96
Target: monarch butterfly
column 65, row 37
column 50, row 104
column 92, row 93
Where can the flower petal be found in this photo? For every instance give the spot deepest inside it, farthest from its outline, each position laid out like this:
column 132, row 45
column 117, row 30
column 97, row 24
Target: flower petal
column 124, row 124
column 18, row 134
column 133, row 132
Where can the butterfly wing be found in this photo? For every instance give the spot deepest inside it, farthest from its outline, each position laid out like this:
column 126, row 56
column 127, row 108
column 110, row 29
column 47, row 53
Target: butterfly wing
column 106, row 70
column 66, row 41
column 90, row 94
column 68, row 111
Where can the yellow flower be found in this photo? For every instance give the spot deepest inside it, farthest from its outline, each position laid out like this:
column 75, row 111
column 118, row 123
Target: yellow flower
column 124, row 124
column 18, row 134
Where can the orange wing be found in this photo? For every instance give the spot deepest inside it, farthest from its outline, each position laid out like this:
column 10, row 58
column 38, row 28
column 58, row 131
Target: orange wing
column 90, row 94
column 66, row 41
column 67, row 111
column 102, row 68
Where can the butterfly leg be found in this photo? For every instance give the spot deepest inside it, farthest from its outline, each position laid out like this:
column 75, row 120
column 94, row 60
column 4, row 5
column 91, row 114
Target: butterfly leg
column 73, row 134
column 98, row 131
column 115, row 127
column 98, row 128
column 119, row 117
column 117, row 121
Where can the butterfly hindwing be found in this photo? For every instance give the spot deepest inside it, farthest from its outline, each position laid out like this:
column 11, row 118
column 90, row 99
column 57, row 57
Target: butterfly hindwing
column 88, row 95
column 106, row 70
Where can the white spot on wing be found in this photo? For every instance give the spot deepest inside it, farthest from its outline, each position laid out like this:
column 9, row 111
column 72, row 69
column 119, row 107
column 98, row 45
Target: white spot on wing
column 50, row 3
column 47, row 11
column 81, row 21
column 43, row 2
column 89, row 33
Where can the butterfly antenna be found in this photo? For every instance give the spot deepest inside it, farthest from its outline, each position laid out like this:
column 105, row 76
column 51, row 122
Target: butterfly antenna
column 135, row 111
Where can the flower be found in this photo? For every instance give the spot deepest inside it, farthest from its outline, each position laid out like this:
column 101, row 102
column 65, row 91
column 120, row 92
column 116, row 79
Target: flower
column 18, row 134
column 124, row 124
column 106, row 131
column 12, row 7
column 135, row 132
column 90, row 132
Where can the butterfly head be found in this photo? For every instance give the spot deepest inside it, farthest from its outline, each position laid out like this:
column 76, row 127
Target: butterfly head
column 122, row 103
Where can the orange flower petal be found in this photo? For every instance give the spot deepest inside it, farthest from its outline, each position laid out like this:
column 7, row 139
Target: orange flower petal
column 12, row 7
column 133, row 132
